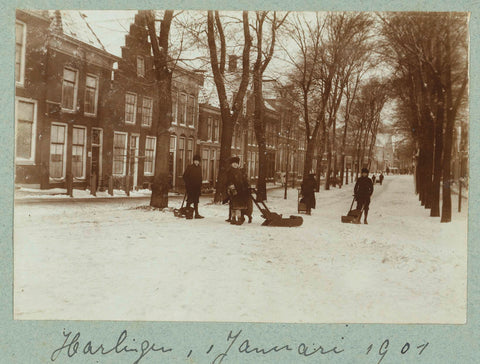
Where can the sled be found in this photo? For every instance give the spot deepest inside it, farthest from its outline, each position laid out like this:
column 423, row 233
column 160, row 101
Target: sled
column 302, row 206
column 353, row 215
column 186, row 211
column 272, row 218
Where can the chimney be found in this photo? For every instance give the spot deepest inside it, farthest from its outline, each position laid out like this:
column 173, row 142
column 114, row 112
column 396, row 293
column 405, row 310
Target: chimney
column 56, row 24
column 232, row 63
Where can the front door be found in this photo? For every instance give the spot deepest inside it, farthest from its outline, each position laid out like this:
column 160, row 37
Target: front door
column 134, row 147
column 96, row 167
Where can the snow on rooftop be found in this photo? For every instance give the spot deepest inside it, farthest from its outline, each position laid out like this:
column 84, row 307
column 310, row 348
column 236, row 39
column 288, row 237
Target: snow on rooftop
column 75, row 25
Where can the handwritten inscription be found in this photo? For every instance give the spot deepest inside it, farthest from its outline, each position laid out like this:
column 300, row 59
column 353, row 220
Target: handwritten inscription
column 72, row 346
column 237, row 344
column 245, row 346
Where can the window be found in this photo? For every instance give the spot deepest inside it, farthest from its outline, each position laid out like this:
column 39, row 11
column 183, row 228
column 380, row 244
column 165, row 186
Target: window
column 140, row 67
column 119, row 153
column 78, row 152
column 174, row 107
column 215, row 131
column 172, row 159
column 238, row 136
column 58, row 136
column 150, row 147
column 209, row 128
column 69, row 89
column 91, row 95
column 190, row 150
column 250, row 164
column 191, row 111
column 212, row 166
column 181, row 154
column 130, row 108
column 147, row 107
column 25, row 135
column 205, row 164
column 20, row 39
column 182, row 109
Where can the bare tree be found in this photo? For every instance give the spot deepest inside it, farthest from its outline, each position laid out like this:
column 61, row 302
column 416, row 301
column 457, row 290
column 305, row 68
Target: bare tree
column 307, row 36
column 262, row 60
column 163, row 75
column 425, row 58
column 229, row 113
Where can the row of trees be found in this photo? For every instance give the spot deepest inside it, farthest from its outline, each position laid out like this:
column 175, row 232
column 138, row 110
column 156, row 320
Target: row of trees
column 334, row 89
column 337, row 84
column 429, row 55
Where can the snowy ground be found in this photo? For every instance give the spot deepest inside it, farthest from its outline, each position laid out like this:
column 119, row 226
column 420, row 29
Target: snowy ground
column 110, row 261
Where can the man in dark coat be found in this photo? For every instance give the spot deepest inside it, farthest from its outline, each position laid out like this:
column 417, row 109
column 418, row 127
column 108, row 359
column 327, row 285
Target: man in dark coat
column 193, row 184
column 363, row 190
column 237, row 190
column 308, row 192
column 381, row 178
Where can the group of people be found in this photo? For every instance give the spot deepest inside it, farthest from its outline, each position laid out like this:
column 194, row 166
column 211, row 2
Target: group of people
column 237, row 190
column 240, row 200
column 380, row 178
column 362, row 192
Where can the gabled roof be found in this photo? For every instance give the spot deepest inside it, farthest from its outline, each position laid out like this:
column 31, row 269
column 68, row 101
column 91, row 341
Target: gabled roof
column 73, row 23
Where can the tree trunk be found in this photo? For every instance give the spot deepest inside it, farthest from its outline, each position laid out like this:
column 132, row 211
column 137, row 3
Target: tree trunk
column 447, row 152
column 320, row 151
column 225, row 153
column 229, row 115
column 437, row 163
column 307, row 167
column 259, row 126
column 163, row 76
column 161, row 181
column 329, row 160
column 334, row 150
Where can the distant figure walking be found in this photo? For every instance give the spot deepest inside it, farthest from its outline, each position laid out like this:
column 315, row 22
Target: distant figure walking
column 381, row 178
column 362, row 191
column 238, row 191
column 193, row 184
column 308, row 192
column 374, row 178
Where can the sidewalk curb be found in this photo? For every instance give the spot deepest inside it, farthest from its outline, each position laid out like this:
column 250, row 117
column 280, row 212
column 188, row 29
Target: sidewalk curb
column 33, row 200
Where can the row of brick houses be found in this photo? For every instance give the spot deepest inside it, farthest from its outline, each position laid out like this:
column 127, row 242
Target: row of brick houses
column 82, row 111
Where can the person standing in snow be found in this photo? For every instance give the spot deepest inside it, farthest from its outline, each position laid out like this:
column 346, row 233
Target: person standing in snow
column 193, row 184
column 308, row 192
column 381, row 178
column 237, row 190
column 362, row 192
column 374, row 178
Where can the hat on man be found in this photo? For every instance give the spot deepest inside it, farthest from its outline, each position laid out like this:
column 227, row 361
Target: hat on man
column 196, row 157
column 234, row 160
column 364, row 170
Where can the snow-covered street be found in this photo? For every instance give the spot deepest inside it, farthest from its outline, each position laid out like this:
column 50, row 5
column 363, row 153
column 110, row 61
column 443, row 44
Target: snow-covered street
column 114, row 261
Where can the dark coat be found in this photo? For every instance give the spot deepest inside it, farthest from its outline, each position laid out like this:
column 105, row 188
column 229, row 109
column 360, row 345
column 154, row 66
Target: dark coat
column 363, row 187
column 238, row 188
column 193, row 182
column 308, row 192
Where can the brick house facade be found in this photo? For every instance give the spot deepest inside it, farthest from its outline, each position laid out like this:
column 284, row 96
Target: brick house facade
column 83, row 112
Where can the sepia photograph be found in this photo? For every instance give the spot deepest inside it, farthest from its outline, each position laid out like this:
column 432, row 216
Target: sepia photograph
column 241, row 166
